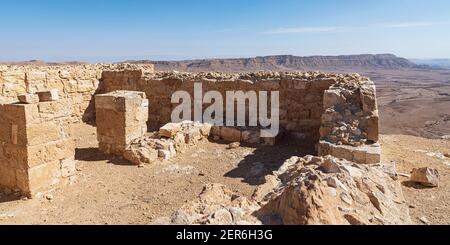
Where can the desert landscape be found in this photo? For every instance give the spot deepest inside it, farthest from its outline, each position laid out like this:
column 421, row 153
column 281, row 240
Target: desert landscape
column 99, row 146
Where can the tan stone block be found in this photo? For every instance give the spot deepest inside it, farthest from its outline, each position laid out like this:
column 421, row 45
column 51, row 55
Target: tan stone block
column 359, row 156
column 28, row 98
column 68, row 167
column 51, row 95
column 230, row 134
column 57, row 150
column 7, row 176
column 43, row 176
column 342, row 152
column 372, row 129
column 40, row 134
column 169, row 130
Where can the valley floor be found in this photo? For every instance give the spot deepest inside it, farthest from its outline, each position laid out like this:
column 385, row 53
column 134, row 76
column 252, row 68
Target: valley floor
column 108, row 191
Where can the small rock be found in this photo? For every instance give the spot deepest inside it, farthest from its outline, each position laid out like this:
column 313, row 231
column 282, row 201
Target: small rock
column 330, row 166
column 447, row 155
column 234, row 145
column 424, row 220
column 425, row 176
column 48, row 197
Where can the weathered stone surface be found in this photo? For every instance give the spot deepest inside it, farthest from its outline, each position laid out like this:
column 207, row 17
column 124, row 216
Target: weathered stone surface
column 154, row 147
column 121, row 117
column 364, row 154
column 354, row 194
column 425, row 176
column 36, row 146
column 169, row 130
column 216, row 205
column 301, row 193
column 28, row 98
column 51, row 95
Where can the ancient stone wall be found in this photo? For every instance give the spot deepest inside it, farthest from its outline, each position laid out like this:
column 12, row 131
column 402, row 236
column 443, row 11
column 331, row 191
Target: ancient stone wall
column 76, row 83
column 301, row 94
column 338, row 110
column 37, row 149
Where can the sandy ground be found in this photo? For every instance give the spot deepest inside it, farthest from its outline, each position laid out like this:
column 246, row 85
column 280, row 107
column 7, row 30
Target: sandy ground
column 427, row 205
column 108, row 191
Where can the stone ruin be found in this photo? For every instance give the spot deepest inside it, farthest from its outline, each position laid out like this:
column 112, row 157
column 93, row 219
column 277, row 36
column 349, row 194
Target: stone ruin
column 37, row 148
column 131, row 108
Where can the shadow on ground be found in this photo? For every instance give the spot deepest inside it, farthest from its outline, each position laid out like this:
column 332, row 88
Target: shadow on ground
column 92, row 154
column 266, row 159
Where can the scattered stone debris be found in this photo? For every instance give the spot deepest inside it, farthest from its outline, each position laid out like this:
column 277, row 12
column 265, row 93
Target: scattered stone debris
column 301, row 193
column 425, row 176
column 215, row 205
column 172, row 139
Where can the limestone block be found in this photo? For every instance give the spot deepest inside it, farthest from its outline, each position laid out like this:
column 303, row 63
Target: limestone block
column 121, row 117
column 68, row 167
column 230, row 134
column 169, row 130
column 372, row 129
column 332, row 98
column 28, row 98
column 51, row 95
column 364, row 154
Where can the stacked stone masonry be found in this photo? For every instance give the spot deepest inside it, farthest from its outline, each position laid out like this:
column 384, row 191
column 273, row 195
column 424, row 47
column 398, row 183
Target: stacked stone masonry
column 335, row 111
column 37, row 148
column 121, row 117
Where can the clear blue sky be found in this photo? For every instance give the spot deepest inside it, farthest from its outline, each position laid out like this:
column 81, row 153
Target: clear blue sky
column 111, row 30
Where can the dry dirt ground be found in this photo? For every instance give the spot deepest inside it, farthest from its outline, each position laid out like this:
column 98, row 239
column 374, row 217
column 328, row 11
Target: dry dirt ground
column 427, row 205
column 108, row 191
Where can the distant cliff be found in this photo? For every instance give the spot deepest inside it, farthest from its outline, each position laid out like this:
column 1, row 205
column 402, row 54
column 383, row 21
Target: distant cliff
column 284, row 62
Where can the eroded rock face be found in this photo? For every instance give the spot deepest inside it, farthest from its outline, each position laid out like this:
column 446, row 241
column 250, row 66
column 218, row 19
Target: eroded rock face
column 327, row 190
column 308, row 191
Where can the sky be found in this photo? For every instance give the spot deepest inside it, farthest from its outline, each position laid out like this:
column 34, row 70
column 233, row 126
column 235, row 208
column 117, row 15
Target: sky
column 115, row 30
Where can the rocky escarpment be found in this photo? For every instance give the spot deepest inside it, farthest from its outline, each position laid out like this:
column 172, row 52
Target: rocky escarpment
column 283, row 62
column 306, row 191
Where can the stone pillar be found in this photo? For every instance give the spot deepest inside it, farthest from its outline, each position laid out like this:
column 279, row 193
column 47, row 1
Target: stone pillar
column 36, row 147
column 121, row 117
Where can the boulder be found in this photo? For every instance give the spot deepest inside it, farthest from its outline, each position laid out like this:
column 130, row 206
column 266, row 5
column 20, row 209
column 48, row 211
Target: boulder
column 425, row 176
